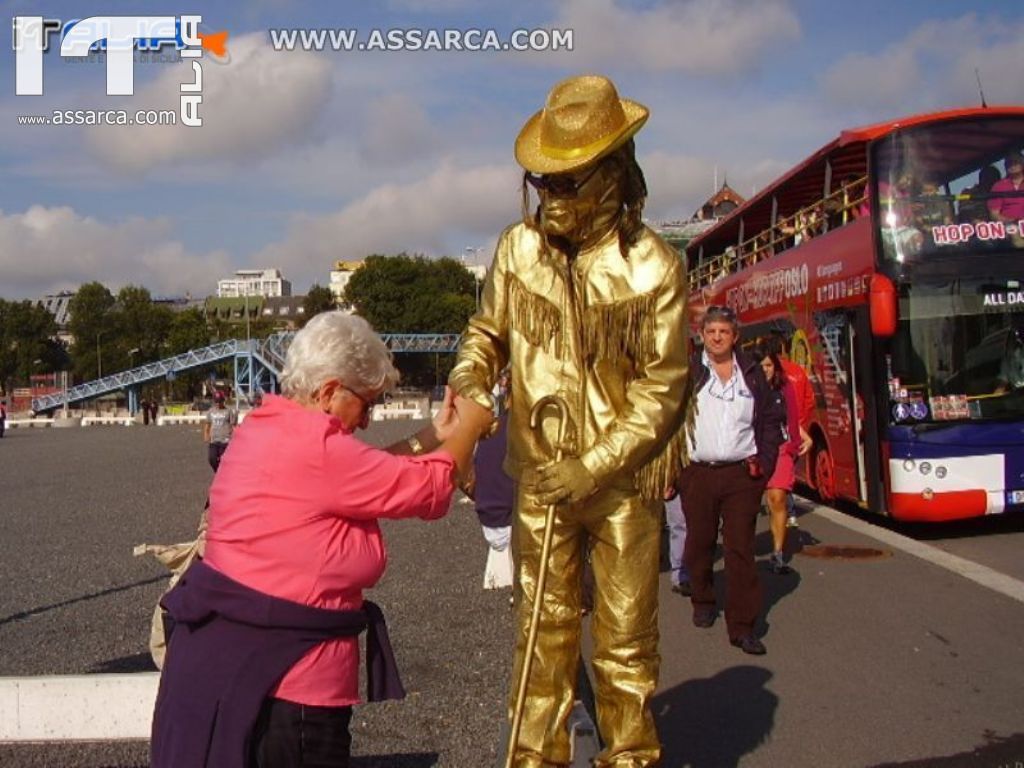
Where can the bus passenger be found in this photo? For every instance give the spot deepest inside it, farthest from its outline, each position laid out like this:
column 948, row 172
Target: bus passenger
column 1011, row 207
column 930, row 207
column 975, row 208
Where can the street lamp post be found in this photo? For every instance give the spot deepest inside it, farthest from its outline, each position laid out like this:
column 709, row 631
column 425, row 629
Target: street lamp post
column 476, row 275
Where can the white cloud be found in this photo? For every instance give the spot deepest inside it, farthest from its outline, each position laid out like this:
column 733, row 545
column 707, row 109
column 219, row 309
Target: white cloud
column 258, row 103
column 397, row 130
column 700, row 37
column 49, row 249
column 443, row 213
column 933, row 67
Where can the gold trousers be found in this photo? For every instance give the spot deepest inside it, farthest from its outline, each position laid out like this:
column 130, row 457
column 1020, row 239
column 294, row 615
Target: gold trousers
column 624, row 533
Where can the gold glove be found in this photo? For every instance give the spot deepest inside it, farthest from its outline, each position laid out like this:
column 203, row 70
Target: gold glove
column 565, row 480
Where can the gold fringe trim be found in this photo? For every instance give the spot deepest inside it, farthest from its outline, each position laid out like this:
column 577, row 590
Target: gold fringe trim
column 533, row 317
column 654, row 477
column 661, row 471
column 620, row 329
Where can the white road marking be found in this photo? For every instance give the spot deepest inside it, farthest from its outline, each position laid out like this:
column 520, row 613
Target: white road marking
column 980, row 574
column 77, row 707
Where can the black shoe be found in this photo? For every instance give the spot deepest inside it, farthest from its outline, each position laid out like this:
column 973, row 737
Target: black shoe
column 778, row 564
column 749, row 644
column 682, row 588
column 704, row 617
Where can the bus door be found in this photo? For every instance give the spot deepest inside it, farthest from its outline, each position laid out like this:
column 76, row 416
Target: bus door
column 840, row 466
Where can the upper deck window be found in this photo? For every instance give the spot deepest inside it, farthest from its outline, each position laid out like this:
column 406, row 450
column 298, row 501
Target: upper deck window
column 950, row 187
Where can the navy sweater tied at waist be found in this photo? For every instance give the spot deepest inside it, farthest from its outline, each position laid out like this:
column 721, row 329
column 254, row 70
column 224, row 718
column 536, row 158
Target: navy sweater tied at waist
column 229, row 646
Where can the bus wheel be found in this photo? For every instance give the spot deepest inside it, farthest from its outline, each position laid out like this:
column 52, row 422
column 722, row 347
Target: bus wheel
column 824, row 473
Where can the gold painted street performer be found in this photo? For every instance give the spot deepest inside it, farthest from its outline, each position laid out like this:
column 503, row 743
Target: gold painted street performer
column 588, row 305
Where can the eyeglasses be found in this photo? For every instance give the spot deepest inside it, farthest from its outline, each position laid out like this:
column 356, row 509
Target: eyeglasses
column 717, row 310
column 561, row 184
column 367, row 404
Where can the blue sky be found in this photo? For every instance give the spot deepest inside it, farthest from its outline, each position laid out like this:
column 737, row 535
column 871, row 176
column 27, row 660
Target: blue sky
column 304, row 158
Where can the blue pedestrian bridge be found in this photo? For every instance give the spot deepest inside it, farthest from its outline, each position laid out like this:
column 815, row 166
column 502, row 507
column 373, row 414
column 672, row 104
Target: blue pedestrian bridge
column 257, row 366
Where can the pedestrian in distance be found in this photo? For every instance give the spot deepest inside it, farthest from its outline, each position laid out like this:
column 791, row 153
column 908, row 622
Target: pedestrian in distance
column 676, row 522
column 780, row 484
column 732, row 450
column 3, row 417
column 494, row 494
column 262, row 663
column 804, row 392
column 217, row 429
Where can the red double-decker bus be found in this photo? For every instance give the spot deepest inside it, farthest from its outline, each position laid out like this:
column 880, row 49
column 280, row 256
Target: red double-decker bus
column 892, row 261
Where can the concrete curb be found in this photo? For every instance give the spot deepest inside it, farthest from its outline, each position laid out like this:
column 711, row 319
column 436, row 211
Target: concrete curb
column 77, row 707
column 980, row 574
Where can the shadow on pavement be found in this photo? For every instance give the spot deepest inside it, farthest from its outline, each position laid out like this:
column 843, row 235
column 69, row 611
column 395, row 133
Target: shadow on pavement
column 80, row 599
column 713, row 722
column 407, row 760
column 997, row 751
column 774, row 587
column 137, row 662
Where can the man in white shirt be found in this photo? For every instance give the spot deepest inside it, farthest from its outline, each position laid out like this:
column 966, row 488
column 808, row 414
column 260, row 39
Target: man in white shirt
column 733, row 447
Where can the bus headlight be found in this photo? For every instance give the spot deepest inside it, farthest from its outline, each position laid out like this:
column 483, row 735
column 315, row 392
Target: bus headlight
column 940, row 472
column 925, row 467
column 909, row 464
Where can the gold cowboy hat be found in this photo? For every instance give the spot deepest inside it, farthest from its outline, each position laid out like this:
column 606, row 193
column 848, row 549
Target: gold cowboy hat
column 583, row 120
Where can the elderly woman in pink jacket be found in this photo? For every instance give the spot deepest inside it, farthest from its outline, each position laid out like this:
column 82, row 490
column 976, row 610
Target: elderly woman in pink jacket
column 293, row 541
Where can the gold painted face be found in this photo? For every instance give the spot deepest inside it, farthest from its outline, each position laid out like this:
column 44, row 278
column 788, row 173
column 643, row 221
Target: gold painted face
column 576, row 205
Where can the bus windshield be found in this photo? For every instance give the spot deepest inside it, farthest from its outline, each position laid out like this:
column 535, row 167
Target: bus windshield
column 951, row 188
column 959, row 351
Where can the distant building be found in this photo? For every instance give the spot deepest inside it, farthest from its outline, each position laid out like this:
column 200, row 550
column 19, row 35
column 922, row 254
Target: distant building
column 254, row 282
column 479, row 271
column 714, row 209
column 284, row 313
column 340, row 275
column 178, row 303
column 59, row 305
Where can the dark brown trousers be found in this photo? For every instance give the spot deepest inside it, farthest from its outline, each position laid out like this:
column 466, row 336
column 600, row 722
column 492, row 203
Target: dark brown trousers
column 727, row 494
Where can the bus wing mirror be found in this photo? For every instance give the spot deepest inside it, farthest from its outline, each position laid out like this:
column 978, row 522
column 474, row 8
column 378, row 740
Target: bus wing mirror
column 883, row 306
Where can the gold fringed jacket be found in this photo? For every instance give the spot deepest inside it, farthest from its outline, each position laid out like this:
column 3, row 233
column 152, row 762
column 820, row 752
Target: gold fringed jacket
column 604, row 332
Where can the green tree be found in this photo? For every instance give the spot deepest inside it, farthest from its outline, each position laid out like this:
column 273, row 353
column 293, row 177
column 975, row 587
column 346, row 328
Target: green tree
column 188, row 330
column 318, row 299
column 413, row 294
column 27, row 343
column 142, row 329
column 93, row 323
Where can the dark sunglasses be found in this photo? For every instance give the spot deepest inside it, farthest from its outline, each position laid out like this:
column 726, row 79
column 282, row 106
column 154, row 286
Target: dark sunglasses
column 561, row 184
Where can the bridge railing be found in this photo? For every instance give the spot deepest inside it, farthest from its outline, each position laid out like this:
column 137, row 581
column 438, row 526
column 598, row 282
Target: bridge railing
column 270, row 352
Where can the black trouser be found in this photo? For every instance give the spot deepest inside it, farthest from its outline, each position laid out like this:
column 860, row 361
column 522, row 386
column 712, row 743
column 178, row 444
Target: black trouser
column 214, row 454
column 290, row 735
column 727, row 494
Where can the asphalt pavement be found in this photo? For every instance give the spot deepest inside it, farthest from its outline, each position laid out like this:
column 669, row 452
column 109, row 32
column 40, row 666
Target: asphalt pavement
column 871, row 662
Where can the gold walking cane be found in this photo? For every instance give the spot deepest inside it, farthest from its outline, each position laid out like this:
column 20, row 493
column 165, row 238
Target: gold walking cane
column 542, row 574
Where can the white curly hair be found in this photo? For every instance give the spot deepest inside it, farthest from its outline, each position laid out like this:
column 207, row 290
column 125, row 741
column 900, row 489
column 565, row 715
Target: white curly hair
column 336, row 345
